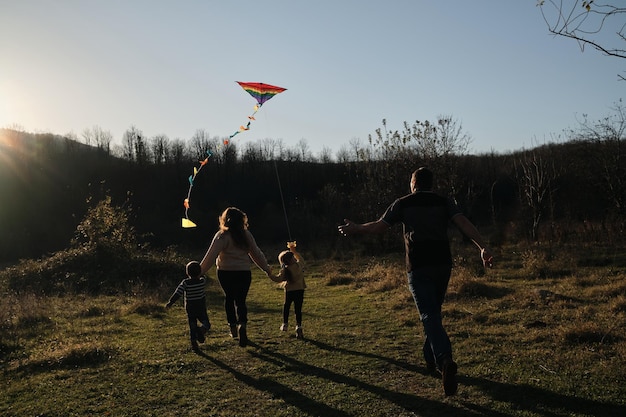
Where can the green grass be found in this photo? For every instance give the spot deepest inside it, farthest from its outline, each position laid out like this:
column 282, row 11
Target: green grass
column 530, row 340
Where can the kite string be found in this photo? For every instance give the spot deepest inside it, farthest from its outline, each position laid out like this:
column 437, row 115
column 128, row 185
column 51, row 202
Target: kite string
column 282, row 199
column 280, row 189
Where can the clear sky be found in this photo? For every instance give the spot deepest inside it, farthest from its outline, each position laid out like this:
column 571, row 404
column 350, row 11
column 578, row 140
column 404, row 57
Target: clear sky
column 169, row 67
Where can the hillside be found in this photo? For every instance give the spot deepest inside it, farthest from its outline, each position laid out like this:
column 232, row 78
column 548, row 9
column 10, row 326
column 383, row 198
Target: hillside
column 556, row 192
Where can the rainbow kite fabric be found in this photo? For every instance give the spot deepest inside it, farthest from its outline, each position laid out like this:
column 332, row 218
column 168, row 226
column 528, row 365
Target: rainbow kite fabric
column 261, row 92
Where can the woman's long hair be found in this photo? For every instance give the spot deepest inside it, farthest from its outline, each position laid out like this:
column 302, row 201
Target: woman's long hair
column 235, row 221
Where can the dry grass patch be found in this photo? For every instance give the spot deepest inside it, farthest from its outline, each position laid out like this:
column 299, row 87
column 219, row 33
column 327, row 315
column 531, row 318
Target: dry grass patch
column 525, row 347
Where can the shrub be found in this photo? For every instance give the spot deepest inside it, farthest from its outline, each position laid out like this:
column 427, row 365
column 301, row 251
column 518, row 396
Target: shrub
column 106, row 228
column 535, row 263
column 105, row 257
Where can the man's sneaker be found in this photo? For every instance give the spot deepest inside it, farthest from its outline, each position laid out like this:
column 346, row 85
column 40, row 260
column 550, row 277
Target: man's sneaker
column 283, row 327
column 194, row 346
column 299, row 333
column 243, row 335
column 233, row 331
column 448, row 376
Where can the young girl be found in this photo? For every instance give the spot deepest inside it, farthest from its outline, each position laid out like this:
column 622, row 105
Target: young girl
column 231, row 249
column 291, row 278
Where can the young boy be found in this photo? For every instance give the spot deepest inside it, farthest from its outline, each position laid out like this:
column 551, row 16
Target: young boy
column 291, row 278
column 193, row 288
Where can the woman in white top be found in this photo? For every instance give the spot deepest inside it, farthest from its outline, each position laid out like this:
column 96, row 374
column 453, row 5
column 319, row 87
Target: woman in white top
column 231, row 250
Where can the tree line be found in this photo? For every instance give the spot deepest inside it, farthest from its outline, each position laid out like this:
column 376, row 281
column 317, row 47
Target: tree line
column 572, row 191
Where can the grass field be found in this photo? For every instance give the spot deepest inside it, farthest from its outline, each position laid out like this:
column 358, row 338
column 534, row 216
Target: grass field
column 532, row 337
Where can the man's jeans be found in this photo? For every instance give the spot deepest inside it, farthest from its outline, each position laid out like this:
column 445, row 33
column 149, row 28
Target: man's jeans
column 428, row 285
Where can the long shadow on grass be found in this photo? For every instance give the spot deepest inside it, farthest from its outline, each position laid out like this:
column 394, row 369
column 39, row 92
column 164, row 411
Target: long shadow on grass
column 278, row 390
column 540, row 401
column 400, row 364
column 424, row 407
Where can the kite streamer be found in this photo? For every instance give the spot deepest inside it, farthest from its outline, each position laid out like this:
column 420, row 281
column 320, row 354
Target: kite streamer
column 261, row 92
column 186, row 222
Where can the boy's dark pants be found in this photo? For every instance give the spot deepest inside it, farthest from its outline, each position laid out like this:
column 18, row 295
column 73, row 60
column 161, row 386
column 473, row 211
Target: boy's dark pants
column 196, row 311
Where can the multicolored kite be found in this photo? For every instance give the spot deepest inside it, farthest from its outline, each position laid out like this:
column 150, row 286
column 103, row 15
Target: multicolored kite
column 261, row 92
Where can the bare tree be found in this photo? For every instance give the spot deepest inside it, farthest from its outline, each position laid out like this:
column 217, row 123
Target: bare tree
column 142, row 152
column 87, row 135
column 609, row 154
column 224, row 151
column 358, row 151
column 325, row 156
column 439, row 145
column 129, row 144
column 304, row 150
column 343, row 155
column 251, row 152
column 159, row 147
column 176, row 152
column 200, row 143
column 291, row 155
column 437, row 140
column 537, row 177
column 98, row 137
column 103, row 139
column 585, row 20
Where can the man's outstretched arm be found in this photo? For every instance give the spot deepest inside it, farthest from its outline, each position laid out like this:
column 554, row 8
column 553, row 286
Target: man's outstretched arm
column 352, row 228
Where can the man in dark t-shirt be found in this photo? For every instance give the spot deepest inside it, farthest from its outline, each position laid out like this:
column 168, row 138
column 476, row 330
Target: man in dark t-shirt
column 425, row 216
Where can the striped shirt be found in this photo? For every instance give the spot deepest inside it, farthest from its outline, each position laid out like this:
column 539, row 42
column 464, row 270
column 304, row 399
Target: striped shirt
column 193, row 289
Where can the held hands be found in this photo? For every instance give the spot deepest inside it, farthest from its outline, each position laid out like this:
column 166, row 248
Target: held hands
column 271, row 275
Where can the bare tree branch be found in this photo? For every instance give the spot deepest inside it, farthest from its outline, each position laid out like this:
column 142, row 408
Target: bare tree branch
column 585, row 20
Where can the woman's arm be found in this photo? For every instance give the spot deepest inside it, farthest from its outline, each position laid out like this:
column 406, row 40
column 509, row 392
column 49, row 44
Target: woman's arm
column 217, row 244
column 257, row 256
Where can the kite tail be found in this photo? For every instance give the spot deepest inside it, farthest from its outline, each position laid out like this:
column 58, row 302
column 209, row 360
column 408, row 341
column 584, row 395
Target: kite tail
column 186, row 222
column 243, row 128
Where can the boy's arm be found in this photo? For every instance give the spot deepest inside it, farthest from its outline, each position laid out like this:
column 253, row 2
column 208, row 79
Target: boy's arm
column 175, row 296
column 172, row 300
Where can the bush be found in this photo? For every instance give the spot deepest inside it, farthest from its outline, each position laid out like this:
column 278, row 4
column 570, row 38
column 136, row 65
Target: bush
column 105, row 258
column 106, row 228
